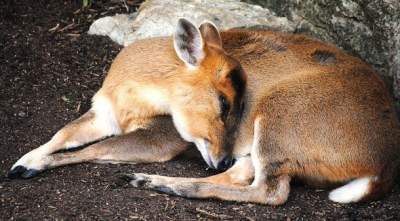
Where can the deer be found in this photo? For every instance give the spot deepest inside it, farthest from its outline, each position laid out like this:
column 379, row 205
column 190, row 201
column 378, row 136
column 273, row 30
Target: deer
column 262, row 107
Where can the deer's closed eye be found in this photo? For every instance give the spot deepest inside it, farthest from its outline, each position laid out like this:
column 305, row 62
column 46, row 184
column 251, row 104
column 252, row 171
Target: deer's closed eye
column 224, row 105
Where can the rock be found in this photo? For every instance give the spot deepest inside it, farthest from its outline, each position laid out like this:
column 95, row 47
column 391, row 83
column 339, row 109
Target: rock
column 21, row 114
column 367, row 29
column 118, row 27
column 159, row 17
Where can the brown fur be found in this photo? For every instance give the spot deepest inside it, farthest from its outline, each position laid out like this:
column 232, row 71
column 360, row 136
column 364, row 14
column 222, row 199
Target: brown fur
column 311, row 111
column 336, row 120
column 320, row 115
column 149, row 79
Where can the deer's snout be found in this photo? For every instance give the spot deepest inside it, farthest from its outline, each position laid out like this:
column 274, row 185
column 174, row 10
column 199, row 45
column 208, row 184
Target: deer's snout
column 225, row 163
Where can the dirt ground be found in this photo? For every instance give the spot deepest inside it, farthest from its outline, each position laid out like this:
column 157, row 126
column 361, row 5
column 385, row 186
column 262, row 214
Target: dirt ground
column 47, row 77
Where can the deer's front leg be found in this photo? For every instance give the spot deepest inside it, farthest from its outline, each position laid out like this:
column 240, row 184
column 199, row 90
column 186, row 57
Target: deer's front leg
column 91, row 126
column 159, row 142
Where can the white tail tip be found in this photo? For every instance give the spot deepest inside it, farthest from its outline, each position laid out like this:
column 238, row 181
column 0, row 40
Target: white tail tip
column 353, row 191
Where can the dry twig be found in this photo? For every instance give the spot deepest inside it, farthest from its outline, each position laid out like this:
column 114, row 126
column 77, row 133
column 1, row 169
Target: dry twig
column 214, row 215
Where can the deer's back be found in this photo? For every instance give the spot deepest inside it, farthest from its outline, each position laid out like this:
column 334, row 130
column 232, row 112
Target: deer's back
column 319, row 103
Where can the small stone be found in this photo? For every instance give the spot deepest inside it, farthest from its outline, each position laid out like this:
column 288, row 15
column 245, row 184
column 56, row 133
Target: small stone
column 21, row 114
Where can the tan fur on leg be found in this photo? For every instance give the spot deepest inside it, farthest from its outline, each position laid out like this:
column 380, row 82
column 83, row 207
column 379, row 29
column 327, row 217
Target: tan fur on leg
column 158, row 143
column 85, row 129
column 274, row 194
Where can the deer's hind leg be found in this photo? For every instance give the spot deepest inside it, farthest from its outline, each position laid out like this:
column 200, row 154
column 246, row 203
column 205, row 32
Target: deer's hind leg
column 157, row 143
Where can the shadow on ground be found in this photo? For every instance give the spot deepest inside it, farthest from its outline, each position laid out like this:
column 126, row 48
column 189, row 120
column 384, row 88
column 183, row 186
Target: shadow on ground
column 48, row 75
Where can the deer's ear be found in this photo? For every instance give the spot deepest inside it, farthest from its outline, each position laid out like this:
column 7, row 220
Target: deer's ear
column 210, row 34
column 188, row 43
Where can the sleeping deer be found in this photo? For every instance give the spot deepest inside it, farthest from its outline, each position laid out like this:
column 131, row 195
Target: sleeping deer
column 283, row 106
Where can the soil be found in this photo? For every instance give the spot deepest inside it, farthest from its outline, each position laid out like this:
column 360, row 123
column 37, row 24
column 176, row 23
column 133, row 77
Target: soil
column 49, row 71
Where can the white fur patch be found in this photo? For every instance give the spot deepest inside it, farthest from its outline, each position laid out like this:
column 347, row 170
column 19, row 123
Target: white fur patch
column 202, row 146
column 254, row 156
column 244, row 166
column 155, row 97
column 35, row 159
column 180, row 125
column 353, row 191
column 105, row 118
column 72, row 144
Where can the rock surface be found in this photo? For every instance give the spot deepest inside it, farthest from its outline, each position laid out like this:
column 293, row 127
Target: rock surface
column 367, row 29
column 118, row 28
column 159, row 17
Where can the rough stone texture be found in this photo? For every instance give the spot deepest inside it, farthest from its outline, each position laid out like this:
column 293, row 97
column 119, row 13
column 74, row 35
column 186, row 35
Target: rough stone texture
column 159, row 17
column 369, row 29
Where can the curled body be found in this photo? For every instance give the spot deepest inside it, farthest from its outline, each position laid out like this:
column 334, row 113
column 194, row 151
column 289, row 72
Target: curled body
column 282, row 105
column 318, row 114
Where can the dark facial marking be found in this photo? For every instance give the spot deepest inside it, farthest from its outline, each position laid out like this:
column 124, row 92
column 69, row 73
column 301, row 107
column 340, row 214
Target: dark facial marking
column 238, row 83
column 324, row 57
column 224, row 107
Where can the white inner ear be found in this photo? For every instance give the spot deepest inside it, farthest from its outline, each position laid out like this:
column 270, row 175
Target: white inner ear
column 188, row 44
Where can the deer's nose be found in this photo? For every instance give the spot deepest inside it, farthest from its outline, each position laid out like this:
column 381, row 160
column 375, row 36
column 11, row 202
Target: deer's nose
column 225, row 163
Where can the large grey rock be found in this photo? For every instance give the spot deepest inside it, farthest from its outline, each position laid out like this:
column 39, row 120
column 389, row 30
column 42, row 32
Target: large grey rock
column 159, row 17
column 368, row 29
